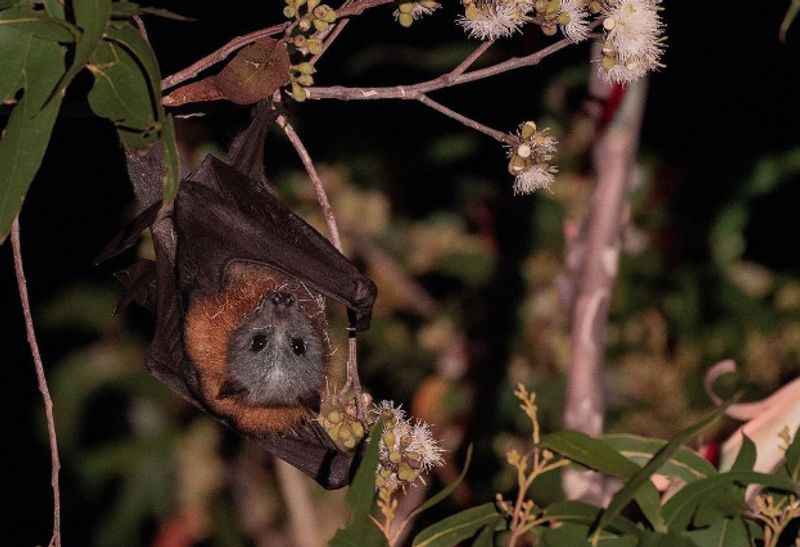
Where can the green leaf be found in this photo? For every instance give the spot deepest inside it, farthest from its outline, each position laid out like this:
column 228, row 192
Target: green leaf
column 685, row 464
column 598, row 455
column 128, row 37
column 29, row 127
column 485, row 538
column 5, row 4
column 15, row 46
column 680, row 508
column 459, row 527
column 26, row 20
column 121, row 94
column 585, row 514
column 788, row 19
column 725, row 532
column 746, row 458
column 570, row 534
column 641, row 477
column 669, row 539
column 126, row 9
column 91, row 16
column 55, row 8
column 793, row 457
column 447, row 490
column 360, row 530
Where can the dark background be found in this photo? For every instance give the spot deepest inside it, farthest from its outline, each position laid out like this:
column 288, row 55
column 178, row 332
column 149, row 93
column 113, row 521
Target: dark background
column 729, row 95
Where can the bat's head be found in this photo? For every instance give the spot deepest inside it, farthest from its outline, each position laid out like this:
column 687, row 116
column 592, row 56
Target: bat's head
column 260, row 348
column 276, row 357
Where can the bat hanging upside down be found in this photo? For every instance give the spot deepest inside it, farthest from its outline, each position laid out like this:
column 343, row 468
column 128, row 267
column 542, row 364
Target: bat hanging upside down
column 238, row 289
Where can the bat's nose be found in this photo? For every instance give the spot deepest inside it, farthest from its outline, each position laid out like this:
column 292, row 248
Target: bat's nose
column 282, row 300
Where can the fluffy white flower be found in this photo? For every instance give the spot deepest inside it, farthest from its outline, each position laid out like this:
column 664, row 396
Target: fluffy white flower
column 574, row 20
column 425, row 446
column 495, row 18
column 537, row 177
column 634, row 39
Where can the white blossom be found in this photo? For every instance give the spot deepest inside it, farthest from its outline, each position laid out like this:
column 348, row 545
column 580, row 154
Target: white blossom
column 634, row 39
column 495, row 18
column 537, row 177
column 574, row 20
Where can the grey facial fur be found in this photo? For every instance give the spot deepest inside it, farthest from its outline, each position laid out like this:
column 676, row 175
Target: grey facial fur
column 276, row 357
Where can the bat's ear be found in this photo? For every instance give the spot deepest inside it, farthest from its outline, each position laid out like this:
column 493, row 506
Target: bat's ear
column 230, row 388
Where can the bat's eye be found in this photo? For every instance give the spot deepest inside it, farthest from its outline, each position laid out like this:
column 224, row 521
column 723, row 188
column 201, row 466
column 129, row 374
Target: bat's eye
column 298, row 346
column 258, row 343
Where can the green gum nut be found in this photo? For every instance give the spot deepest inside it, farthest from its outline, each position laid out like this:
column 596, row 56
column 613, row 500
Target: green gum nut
column 320, row 25
column 405, row 20
column 564, row 18
column 430, row 4
column 289, row 12
column 314, row 46
column 313, row 4
column 472, row 13
column 553, row 6
column 389, row 439
column 406, row 474
column 517, row 165
column 305, row 80
column 358, row 430
column 609, row 62
column 299, row 93
column 528, row 130
column 406, row 7
column 395, row 456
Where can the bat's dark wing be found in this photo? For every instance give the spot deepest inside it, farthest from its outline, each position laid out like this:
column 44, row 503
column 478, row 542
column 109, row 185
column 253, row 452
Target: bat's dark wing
column 226, row 212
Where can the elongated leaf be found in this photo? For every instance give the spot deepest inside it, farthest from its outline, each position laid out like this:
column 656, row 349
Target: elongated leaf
column 54, row 8
column 129, row 9
column 458, row 527
column 121, row 94
column 724, row 532
column 130, row 39
column 447, row 490
column 360, row 530
column 15, row 46
column 746, row 458
column 598, row 455
column 91, row 16
column 685, row 464
column 585, row 514
column 570, row 534
column 29, row 127
column 679, row 509
column 632, row 485
column 788, row 19
column 668, row 539
column 793, row 457
column 485, row 538
column 24, row 19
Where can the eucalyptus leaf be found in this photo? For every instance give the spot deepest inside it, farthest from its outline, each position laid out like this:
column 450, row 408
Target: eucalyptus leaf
column 27, row 133
column 447, row 490
column 585, row 514
column 680, row 508
column 746, row 458
column 485, row 538
column 725, row 532
column 121, row 94
column 793, row 457
column 24, row 19
column 788, row 19
column 360, row 530
column 641, row 477
column 126, row 9
column 597, row 455
column 129, row 38
column 577, row 535
column 15, row 46
column 685, row 464
column 459, row 527
column 91, row 16
column 55, row 8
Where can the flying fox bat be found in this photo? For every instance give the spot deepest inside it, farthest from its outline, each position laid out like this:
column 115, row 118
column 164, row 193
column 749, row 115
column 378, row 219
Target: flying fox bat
column 238, row 290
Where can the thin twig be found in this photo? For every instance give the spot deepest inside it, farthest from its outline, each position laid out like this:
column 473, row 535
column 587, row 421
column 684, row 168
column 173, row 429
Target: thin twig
column 240, row 41
column 414, row 91
column 471, row 58
column 469, row 122
column 22, row 286
column 319, row 187
column 337, row 30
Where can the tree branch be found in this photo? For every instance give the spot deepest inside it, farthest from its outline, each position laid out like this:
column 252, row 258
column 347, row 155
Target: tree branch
column 240, row 41
column 469, row 122
column 22, row 286
column 614, row 155
column 452, row 78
